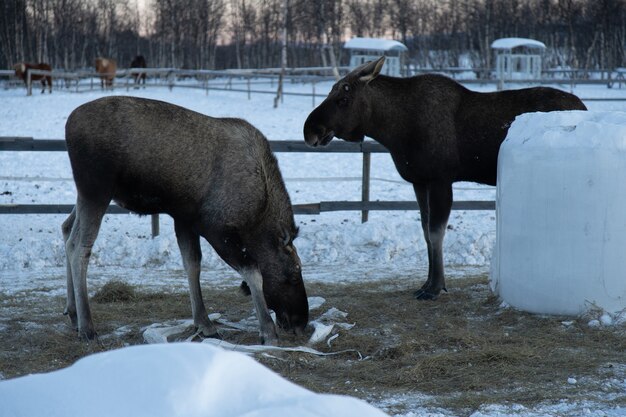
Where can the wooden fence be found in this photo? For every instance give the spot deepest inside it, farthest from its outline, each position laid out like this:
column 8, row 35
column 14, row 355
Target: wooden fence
column 245, row 81
column 250, row 81
column 366, row 148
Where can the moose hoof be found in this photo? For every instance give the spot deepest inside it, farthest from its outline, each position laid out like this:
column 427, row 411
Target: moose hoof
column 269, row 340
column 207, row 332
column 73, row 318
column 423, row 294
column 87, row 335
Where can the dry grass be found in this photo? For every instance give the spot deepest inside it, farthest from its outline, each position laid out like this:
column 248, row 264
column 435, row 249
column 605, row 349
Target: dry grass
column 463, row 350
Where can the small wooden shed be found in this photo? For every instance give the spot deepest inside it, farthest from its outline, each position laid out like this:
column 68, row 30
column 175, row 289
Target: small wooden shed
column 368, row 49
column 518, row 58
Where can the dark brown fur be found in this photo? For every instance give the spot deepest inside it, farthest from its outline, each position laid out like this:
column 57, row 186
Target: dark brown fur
column 437, row 131
column 217, row 178
column 139, row 62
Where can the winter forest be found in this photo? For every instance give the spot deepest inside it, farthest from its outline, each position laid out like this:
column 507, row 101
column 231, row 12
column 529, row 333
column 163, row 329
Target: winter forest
column 220, row 34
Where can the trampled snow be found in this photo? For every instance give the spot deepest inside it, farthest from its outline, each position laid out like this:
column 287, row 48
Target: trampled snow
column 333, row 246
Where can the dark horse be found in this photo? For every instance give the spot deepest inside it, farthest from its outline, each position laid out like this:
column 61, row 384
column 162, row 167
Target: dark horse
column 437, row 131
column 139, row 62
column 22, row 69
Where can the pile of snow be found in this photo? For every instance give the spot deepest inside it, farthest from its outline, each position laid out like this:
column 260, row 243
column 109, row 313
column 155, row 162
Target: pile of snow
column 561, row 213
column 180, row 379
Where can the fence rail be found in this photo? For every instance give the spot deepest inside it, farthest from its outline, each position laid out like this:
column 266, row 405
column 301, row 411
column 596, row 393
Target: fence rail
column 245, row 80
column 366, row 148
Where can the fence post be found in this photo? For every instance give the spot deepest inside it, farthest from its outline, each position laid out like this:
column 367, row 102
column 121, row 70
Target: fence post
column 248, row 79
column 365, row 184
column 29, row 84
column 155, row 225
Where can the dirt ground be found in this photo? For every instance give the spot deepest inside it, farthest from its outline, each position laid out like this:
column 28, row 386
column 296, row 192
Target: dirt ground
column 458, row 352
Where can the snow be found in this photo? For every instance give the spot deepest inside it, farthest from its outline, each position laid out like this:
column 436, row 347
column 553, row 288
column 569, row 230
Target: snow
column 186, row 379
column 334, row 247
column 560, row 213
column 375, row 44
column 510, row 43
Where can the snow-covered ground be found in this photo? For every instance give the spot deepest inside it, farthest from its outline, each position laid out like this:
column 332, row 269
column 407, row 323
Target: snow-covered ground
column 333, row 246
column 169, row 380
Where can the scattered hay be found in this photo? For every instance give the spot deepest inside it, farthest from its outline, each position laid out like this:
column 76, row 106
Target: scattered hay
column 464, row 349
column 115, row 292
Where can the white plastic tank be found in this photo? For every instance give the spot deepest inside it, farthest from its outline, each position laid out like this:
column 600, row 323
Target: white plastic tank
column 561, row 213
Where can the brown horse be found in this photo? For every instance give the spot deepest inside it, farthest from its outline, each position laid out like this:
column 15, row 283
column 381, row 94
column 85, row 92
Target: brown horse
column 22, row 69
column 106, row 69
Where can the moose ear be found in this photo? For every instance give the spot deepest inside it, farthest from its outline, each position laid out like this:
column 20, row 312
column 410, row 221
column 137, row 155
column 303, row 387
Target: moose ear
column 371, row 70
column 284, row 238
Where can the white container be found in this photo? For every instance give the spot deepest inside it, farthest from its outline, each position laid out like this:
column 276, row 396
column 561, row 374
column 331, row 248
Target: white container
column 561, row 213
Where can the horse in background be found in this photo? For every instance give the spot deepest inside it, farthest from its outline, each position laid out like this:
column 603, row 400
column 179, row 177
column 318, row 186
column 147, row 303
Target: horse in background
column 106, row 69
column 139, row 62
column 22, row 69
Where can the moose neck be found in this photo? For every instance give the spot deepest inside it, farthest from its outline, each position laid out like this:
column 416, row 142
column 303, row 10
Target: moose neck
column 388, row 97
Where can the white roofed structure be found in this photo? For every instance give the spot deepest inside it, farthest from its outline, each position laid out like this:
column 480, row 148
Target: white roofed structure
column 363, row 50
column 517, row 59
column 512, row 43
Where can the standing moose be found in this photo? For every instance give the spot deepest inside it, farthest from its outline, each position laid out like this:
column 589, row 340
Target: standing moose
column 217, row 178
column 437, row 131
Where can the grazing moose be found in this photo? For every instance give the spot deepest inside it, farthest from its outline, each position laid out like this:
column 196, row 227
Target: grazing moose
column 106, row 69
column 22, row 70
column 437, row 131
column 217, row 178
column 139, row 62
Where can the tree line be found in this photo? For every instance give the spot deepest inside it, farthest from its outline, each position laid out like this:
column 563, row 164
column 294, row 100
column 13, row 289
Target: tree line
column 219, row 34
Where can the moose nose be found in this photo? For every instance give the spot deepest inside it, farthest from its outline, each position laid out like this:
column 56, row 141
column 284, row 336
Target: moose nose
column 293, row 322
column 299, row 330
column 318, row 137
column 311, row 137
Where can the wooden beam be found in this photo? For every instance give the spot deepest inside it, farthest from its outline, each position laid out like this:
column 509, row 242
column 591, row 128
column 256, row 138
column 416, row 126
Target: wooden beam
column 16, row 143
column 309, row 208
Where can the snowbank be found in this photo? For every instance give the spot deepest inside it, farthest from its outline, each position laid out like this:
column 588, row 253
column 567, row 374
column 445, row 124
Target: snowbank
column 181, row 379
column 561, row 213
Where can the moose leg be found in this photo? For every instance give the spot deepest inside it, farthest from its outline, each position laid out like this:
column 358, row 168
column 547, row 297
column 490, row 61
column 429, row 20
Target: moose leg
column 189, row 244
column 254, row 279
column 435, row 201
column 78, row 246
column 70, row 306
column 421, row 192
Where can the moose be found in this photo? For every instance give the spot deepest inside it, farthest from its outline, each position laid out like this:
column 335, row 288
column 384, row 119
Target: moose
column 216, row 177
column 139, row 62
column 106, row 69
column 22, row 70
column 437, row 132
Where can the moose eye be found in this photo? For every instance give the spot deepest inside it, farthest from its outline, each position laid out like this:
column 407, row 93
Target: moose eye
column 346, row 87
